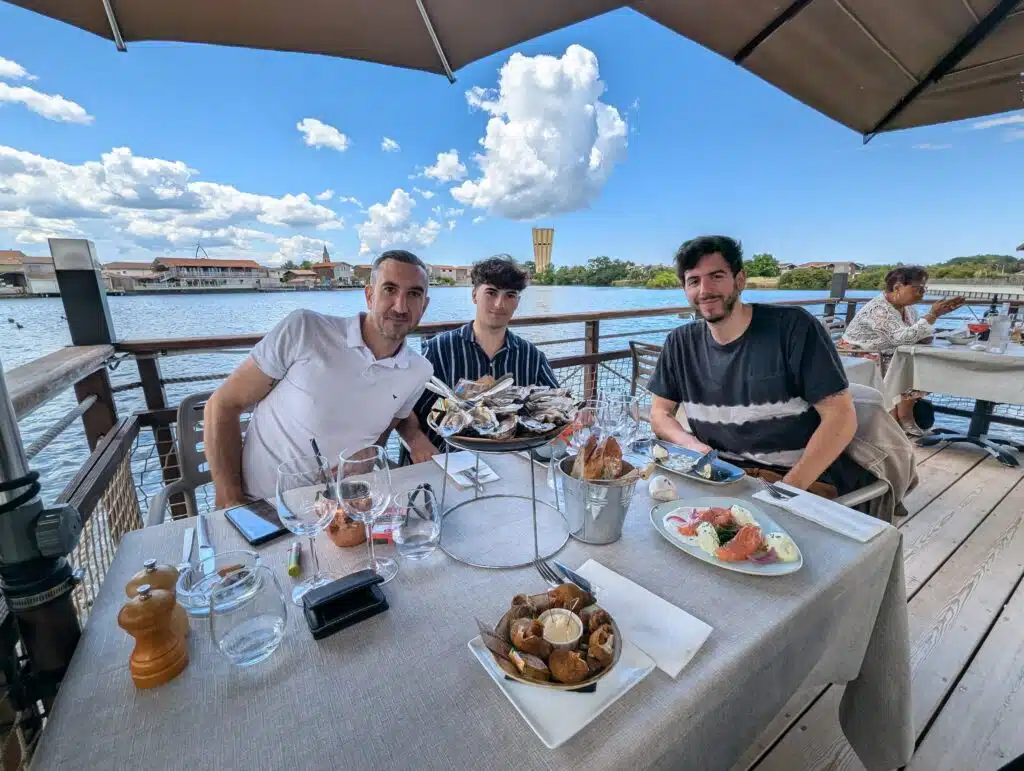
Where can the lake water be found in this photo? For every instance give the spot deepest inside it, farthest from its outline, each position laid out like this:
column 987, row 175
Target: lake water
column 171, row 316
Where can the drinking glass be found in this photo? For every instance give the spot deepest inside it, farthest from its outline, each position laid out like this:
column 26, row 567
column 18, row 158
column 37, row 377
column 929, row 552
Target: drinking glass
column 418, row 531
column 364, row 492
column 248, row 611
column 611, row 413
column 306, row 503
column 583, row 426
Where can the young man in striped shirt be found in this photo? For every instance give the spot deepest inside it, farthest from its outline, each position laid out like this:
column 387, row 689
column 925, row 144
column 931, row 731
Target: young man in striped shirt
column 483, row 347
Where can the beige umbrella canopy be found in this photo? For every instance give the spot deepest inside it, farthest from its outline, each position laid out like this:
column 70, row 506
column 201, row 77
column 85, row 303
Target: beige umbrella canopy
column 872, row 65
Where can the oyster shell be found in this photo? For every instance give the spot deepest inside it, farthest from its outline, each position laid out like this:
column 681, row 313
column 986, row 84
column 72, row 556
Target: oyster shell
column 505, row 429
column 483, row 420
column 534, row 426
column 455, row 421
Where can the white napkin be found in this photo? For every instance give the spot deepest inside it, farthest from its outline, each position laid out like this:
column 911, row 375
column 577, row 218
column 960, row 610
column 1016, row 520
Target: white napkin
column 459, row 463
column 829, row 514
column 667, row 634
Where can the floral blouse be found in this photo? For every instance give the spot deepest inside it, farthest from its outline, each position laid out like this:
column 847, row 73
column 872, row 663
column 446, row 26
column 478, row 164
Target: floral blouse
column 882, row 328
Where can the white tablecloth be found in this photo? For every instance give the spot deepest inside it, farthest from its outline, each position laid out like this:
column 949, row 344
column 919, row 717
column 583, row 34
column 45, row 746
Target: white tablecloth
column 957, row 371
column 863, row 372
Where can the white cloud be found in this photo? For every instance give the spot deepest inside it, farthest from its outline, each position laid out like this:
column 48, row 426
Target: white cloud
column 448, row 168
column 444, row 212
column 1005, row 120
column 326, row 195
column 478, row 220
column 350, row 199
column 13, row 71
column 389, row 145
column 550, row 143
column 318, row 134
column 148, row 203
column 930, row 146
column 50, row 106
column 451, row 224
column 391, row 225
column 297, row 249
column 427, row 194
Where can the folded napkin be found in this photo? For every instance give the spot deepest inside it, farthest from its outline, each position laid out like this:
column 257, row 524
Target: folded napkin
column 667, row 634
column 461, row 467
column 829, row 514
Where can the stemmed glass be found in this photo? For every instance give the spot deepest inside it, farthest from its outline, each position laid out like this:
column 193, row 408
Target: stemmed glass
column 584, row 425
column 364, row 492
column 306, row 503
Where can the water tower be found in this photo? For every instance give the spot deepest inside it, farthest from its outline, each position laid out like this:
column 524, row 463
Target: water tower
column 543, row 240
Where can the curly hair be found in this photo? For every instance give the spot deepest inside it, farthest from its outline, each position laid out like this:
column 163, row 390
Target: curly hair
column 690, row 253
column 904, row 274
column 501, row 272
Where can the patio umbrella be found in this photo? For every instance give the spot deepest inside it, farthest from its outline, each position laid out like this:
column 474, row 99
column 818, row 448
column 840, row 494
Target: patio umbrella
column 871, row 65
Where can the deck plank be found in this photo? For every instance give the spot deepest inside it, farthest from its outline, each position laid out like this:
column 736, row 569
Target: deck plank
column 980, row 726
column 949, row 617
column 937, row 473
column 937, row 531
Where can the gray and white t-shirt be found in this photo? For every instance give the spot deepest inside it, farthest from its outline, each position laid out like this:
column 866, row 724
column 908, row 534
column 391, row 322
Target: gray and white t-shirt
column 754, row 398
column 330, row 387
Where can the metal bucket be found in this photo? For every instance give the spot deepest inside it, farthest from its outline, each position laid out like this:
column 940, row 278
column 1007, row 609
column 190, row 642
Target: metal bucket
column 595, row 511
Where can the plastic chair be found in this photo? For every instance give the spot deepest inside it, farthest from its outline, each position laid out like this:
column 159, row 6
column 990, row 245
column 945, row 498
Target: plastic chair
column 195, row 472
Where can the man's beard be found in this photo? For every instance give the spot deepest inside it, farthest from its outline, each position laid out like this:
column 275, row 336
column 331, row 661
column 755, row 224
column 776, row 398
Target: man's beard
column 728, row 303
column 392, row 334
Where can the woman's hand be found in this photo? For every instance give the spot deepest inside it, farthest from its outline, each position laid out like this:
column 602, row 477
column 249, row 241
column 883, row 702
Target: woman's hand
column 942, row 307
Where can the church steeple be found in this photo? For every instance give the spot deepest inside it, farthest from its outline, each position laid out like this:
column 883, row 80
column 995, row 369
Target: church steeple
column 327, row 257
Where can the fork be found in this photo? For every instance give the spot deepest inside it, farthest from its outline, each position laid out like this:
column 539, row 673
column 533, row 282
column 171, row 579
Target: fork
column 775, row 492
column 548, row 573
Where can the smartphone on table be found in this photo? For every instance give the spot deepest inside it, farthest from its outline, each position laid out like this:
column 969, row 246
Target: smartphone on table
column 257, row 521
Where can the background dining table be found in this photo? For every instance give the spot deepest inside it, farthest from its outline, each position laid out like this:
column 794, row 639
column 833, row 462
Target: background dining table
column 401, row 689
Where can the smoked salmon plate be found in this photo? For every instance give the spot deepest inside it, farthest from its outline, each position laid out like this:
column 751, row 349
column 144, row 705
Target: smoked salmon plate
column 729, row 533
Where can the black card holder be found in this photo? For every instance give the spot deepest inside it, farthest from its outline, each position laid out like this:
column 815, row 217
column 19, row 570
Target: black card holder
column 342, row 603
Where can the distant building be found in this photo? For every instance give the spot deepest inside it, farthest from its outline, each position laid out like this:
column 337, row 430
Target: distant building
column 543, row 243
column 23, row 274
column 130, row 276
column 301, row 278
column 206, row 273
column 851, row 267
column 361, row 273
column 787, row 266
column 12, row 272
column 457, row 273
column 333, row 273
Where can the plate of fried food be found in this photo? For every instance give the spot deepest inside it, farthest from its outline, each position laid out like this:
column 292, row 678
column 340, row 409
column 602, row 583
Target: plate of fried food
column 560, row 659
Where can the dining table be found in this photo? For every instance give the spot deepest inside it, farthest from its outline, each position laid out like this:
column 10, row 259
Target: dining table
column 402, row 690
column 987, row 377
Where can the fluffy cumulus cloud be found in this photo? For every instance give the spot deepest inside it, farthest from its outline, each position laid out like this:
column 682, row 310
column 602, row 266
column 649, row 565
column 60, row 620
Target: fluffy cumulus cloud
column 326, row 195
column 448, row 168
column 316, row 133
column 147, row 203
column 51, row 106
column 389, row 145
column 391, row 225
column 427, row 194
column 550, row 143
column 297, row 249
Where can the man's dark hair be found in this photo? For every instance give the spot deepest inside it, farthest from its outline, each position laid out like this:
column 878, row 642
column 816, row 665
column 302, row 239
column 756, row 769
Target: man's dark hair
column 695, row 249
column 398, row 255
column 905, row 274
column 501, row 272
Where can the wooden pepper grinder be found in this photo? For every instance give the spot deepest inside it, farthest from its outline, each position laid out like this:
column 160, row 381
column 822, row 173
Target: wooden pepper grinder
column 160, row 654
column 161, row 577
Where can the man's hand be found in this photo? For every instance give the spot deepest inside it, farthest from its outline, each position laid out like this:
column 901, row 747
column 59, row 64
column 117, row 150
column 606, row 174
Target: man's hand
column 226, row 499
column 420, row 447
column 667, row 427
column 830, row 439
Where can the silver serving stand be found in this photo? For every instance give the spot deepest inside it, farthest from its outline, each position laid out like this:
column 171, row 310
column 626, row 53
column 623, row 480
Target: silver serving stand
column 493, row 447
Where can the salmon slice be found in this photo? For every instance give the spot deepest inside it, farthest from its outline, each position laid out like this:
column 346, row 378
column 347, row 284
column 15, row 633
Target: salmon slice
column 746, row 541
column 717, row 516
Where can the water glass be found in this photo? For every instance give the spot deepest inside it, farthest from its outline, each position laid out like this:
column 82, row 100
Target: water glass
column 306, row 504
column 418, row 529
column 364, row 492
column 248, row 611
column 583, row 426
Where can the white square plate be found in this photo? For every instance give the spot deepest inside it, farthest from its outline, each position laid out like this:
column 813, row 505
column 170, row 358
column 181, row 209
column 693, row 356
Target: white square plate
column 557, row 716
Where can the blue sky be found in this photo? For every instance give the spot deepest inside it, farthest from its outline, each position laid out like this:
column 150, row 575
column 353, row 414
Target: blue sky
column 214, row 154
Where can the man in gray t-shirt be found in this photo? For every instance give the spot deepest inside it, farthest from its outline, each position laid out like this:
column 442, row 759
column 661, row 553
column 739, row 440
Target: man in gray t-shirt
column 760, row 383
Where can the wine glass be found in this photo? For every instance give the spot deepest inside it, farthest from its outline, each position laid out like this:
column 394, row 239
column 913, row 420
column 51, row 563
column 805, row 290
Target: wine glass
column 364, row 492
column 418, row 531
column 248, row 612
column 584, row 425
column 306, row 503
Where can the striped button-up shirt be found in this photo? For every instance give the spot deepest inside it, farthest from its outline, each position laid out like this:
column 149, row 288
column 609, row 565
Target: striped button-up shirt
column 456, row 355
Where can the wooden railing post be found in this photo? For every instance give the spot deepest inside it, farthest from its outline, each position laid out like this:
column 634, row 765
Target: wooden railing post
column 591, row 345
column 851, row 310
column 156, row 399
column 101, row 417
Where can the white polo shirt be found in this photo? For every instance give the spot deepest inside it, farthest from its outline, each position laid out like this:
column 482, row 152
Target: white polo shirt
column 330, row 387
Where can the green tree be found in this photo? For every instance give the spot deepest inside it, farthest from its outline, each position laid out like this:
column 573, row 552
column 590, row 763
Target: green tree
column 663, row 279
column 289, row 265
column 444, row 281
column 806, row 278
column 306, row 265
column 869, row 279
column 762, row 265
column 530, row 267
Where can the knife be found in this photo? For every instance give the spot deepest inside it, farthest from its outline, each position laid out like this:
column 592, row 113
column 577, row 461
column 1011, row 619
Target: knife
column 186, row 547
column 704, row 460
column 575, row 577
column 205, row 547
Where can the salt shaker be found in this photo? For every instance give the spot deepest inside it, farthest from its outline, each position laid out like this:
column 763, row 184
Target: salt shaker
column 160, row 654
column 160, row 577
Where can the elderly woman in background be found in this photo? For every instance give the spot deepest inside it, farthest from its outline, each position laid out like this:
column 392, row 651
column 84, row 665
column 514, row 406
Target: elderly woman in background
column 889, row 321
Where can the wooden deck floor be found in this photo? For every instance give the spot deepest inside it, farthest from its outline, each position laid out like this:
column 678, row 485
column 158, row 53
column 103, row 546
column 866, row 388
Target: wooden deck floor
column 963, row 543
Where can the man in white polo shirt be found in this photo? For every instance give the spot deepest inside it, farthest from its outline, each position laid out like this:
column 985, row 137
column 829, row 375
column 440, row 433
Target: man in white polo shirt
column 345, row 382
